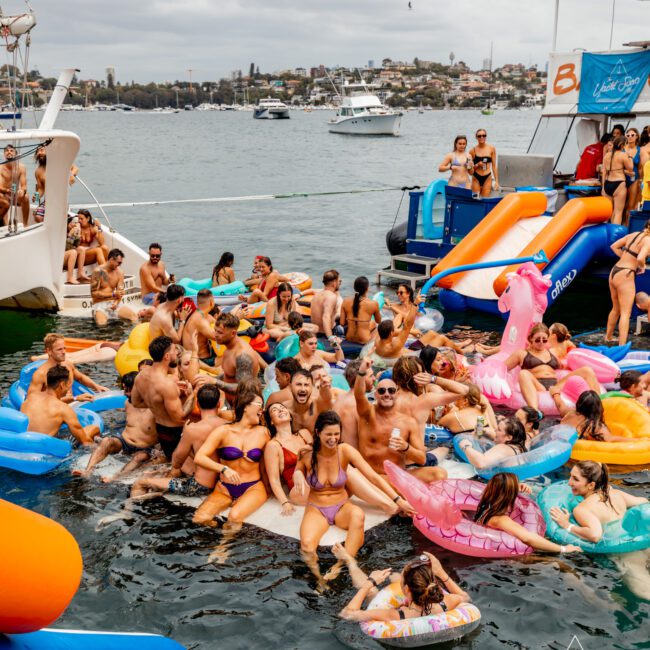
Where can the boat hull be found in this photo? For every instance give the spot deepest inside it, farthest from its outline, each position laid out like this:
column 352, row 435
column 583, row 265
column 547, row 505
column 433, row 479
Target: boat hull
column 269, row 114
column 367, row 125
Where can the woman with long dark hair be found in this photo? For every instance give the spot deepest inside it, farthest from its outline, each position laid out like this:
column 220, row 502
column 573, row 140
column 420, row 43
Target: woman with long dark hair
column 268, row 286
column 223, row 272
column 495, row 507
column 617, row 165
column 632, row 181
column 459, row 163
column 358, row 312
column 278, row 310
column 510, row 440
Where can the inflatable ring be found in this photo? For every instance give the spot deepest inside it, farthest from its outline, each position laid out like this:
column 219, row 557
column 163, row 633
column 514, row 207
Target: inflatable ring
column 423, row 630
column 434, row 434
column 192, row 287
column 83, row 639
column 631, row 533
column 548, row 451
column 41, row 565
column 134, row 350
column 289, row 346
column 297, row 280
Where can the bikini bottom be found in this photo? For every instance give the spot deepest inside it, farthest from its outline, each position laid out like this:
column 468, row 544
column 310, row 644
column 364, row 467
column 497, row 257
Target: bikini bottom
column 610, row 187
column 481, row 178
column 235, row 491
column 329, row 512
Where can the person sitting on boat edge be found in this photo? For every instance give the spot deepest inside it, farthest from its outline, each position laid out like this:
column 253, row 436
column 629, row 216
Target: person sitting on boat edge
column 92, row 238
column 107, row 291
column 47, row 412
column 75, row 254
column 153, row 275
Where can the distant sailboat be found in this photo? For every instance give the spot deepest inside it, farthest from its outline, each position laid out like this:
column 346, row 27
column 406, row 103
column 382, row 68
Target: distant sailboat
column 488, row 109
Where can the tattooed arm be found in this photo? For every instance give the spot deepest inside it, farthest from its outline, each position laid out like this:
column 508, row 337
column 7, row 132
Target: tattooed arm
column 243, row 367
column 99, row 286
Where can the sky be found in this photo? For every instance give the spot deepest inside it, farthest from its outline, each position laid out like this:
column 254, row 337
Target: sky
column 159, row 40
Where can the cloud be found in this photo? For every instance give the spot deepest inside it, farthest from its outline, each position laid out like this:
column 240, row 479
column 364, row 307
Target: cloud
column 160, row 39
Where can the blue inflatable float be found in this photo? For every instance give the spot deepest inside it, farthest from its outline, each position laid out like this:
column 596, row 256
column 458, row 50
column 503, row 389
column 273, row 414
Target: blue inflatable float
column 80, row 640
column 548, row 451
column 433, row 434
column 631, row 533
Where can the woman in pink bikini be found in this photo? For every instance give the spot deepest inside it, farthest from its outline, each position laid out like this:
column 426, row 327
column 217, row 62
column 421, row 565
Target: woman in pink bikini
column 323, row 472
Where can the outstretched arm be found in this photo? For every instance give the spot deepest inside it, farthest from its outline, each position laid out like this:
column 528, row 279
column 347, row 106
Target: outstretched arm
column 364, row 408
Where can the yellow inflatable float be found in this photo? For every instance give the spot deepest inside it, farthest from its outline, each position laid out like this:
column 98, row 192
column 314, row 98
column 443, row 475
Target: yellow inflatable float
column 134, row 350
column 624, row 417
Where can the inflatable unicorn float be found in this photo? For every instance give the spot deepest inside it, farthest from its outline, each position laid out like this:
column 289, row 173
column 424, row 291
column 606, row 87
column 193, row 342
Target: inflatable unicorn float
column 526, row 300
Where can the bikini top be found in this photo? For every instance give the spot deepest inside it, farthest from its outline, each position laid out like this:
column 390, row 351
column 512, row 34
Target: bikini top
column 273, row 293
column 483, row 159
column 233, row 453
column 316, row 485
column 531, row 361
column 628, row 249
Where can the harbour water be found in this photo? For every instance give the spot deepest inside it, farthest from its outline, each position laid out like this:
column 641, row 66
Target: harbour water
column 152, row 575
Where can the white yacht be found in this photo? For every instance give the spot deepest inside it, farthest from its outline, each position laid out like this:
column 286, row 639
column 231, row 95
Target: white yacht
column 271, row 109
column 362, row 113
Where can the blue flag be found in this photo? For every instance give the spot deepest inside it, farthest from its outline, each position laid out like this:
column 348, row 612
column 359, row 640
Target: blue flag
column 611, row 83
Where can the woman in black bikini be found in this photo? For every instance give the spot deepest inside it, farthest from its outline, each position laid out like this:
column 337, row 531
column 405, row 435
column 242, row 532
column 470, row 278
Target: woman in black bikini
column 539, row 365
column 632, row 251
column 615, row 166
column 484, row 157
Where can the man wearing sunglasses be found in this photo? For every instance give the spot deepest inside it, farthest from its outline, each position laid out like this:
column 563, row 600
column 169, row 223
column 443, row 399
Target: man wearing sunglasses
column 107, row 291
column 387, row 434
column 153, row 275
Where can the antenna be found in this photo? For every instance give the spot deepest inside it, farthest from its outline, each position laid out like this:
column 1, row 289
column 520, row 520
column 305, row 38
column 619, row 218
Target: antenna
column 191, row 70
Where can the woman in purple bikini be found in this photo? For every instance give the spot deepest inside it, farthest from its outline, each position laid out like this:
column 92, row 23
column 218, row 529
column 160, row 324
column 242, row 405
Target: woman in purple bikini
column 323, row 471
column 239, row 448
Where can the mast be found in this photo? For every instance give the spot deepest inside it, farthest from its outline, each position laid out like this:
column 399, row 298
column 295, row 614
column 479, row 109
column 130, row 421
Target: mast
column 490, row 79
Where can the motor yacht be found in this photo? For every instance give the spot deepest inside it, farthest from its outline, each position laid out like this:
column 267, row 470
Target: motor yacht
column 362, row 113
column 271, row 109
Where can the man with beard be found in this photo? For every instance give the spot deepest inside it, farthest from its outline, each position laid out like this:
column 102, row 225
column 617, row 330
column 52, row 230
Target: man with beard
column 153, row 275
column 304, row 405
column 39, row 197
column 203, row 323
column 285, row 369
column 387, row 434
column 13, row 186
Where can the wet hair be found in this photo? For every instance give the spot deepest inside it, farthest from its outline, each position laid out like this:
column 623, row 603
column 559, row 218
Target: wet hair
column 204, row 295
column 250, row 385
column 361, row 285
column 590, row 406
column 457, row 138
column 409, row 291
column 295, row 320
column 305, row 335
column 324, row 419
column 288, row 365
column 515, row 430
column 302, row 373
column 404, row 370
column 423, row 585
column 269, row 424
column 162, row 297
column 561, row 332
column 50, row 339
column 225, row 260
column 228, row 320
column 538, row 327
column 159, row 347
column 618, row 127
column 174, row 292
column 282, row 287
column 473, row 397
column 155, row 244
column 428, row 355
column 351, row 371
column 144, row 362
column 56, row 376
column 597, row 473
column 115, row 253
column 607, row 137
column 128, row 380
column 241, row 402
column 629, row 378
column 208, row 397
column 498, row 498
column 532, row 416
column 330, row 276
column 385, row 329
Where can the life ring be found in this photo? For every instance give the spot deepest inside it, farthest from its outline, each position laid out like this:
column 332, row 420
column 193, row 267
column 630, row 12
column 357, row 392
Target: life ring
column 289, row 346
column 41, row 569
column 548, row 451
column 422, row 630
column 298, row 280
column 134, row 350
column 192, row 287
column 631, row 533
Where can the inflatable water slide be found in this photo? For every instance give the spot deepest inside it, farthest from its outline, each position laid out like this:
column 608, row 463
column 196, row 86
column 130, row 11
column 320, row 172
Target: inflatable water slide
column 517, row 227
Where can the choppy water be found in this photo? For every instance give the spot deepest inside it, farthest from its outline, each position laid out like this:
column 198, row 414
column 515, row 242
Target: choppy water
column 152, row 576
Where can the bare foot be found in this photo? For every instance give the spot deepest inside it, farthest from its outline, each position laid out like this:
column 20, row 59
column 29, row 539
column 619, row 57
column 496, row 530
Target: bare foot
column 83, row 279
column 71, row 281
column 219, row 555
column 334, row 572
column 340, row 553
column 81, row 473
column 107, row 521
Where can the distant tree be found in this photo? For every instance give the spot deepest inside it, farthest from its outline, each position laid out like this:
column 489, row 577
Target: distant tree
column 416, row 63
column 110, row 82
column 257, row 72
column 251, row 71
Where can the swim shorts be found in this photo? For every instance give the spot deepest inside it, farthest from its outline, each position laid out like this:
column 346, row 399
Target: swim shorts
column 188, row 487
column 128, row 448
column 106, row 307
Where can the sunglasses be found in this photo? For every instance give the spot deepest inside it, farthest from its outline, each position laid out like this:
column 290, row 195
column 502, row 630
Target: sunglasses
column 540, row 340
column 154, row 257
column 482, row 135
column 391, row 390
column 401, row 293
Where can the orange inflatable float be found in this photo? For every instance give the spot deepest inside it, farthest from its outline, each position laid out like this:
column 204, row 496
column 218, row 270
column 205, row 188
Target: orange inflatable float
column 40, row 570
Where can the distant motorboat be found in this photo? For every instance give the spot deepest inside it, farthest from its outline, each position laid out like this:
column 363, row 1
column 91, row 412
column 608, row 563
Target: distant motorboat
column 362, row 113
column 9, row 113
column 271, row 109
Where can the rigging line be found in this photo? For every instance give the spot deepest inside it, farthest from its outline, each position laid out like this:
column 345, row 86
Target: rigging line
column 228, row 199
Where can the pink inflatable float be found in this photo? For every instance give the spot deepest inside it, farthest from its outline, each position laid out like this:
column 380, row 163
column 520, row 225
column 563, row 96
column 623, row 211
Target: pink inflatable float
column 440, row 518
column 526, row 300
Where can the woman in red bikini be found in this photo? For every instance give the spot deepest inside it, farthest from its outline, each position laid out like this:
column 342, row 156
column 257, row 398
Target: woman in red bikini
column 269, row 280
column 632, row 251
column 323, row 473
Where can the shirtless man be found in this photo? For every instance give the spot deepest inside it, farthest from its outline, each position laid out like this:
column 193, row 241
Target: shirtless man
column 202, row 322
column 325, row 304
column 137, row 440
column 322, row 378
column 47, row 412
column 360, row 325
column 390, row 344
column 306, row 403
column 169, row 400
column 55, row 349
column 13, row 174
column 186, row 478
column 239, row 361
column 346, row 405
column 153, row 276
column 162, row 322
column 285, row 369
column 107, row 291
column 39, row 197
column 378, row 422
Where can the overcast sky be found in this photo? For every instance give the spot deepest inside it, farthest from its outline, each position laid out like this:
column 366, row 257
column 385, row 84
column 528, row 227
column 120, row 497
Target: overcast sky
column 158, row 40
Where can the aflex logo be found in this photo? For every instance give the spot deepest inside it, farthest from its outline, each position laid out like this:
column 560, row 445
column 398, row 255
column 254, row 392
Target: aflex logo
column 561, row 285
